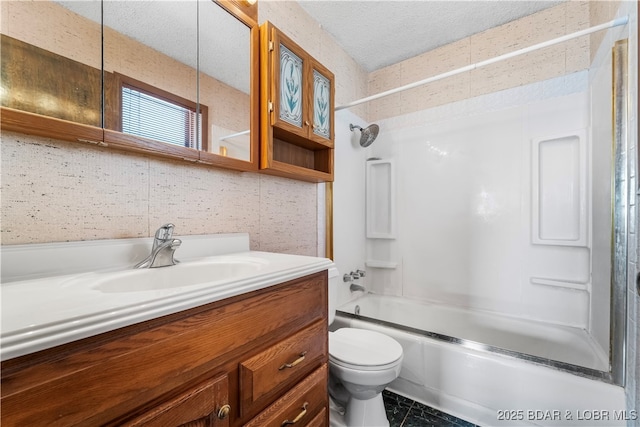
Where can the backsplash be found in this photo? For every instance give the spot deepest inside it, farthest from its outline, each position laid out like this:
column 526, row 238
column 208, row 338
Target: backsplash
column 58, row 191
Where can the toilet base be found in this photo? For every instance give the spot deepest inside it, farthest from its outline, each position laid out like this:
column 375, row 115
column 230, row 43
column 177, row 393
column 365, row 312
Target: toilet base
column 361, row 413
column 336, row 419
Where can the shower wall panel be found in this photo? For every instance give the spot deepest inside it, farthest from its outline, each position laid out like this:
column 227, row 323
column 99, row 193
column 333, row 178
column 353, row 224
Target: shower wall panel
column 466, row 215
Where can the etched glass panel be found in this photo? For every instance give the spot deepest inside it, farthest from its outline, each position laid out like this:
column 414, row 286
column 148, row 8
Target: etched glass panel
column 290, row 87
column 321, row 99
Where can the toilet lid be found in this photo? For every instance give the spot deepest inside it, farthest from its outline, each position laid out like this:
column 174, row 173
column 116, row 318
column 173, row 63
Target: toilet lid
column 361, row 347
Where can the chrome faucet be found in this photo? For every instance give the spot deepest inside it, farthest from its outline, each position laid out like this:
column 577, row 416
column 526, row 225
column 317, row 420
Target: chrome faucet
column 355, row 275
column 164, row 247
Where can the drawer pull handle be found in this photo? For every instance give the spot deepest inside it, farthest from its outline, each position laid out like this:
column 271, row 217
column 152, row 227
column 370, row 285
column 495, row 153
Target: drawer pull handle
column 298, row 418
column 294, row 363
column 224, row 412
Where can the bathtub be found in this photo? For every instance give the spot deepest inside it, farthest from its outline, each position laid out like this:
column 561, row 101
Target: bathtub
column 481, row 383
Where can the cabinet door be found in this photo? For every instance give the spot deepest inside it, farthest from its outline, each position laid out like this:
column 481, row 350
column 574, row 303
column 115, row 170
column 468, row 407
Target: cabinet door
column 205, row 405
column 321, row 103
column 288, row 91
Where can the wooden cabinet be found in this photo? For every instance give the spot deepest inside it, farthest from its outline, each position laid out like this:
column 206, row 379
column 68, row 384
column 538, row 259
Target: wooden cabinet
column 297, row 110
column 214, row 365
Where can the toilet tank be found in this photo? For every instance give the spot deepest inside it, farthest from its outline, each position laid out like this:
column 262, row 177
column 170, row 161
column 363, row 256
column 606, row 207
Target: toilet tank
column 334, row 279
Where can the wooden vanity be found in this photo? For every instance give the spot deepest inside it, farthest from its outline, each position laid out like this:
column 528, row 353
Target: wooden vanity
column 257, row 359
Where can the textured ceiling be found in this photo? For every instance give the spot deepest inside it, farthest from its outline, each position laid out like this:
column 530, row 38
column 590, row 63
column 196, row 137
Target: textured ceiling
column 379, row 33
column 375, row 33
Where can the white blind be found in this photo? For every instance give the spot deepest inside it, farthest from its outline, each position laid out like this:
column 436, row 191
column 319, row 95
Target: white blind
column 151, row 117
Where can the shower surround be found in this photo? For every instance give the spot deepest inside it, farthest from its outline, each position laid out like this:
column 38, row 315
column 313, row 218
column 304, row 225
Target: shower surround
column 501, row 202
column 495, row 210
column 483, row 165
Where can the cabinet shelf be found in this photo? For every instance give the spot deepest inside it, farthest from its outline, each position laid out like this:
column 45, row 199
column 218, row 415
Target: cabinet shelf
column 300, row 162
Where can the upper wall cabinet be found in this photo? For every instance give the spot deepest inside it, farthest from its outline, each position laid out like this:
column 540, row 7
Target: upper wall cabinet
column 180, row 77
column 297, row 110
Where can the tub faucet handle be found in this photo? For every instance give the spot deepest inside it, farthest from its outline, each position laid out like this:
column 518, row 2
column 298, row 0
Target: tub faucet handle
column 346, row 278
column 361, row 273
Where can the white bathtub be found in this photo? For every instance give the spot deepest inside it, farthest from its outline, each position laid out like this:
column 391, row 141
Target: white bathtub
column 481, row 386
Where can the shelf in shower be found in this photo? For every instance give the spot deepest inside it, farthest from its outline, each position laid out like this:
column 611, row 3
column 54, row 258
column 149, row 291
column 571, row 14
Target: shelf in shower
column 381, row 264
column 559, row 178
column 560, row 283
column 380, row 200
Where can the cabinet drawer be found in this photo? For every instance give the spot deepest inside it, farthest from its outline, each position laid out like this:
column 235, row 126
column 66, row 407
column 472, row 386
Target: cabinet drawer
column 280, row 366
column 301, row 404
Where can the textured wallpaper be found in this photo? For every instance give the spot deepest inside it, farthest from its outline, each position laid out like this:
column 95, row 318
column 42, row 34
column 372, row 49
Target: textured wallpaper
column 59, row 191
column 547, row 63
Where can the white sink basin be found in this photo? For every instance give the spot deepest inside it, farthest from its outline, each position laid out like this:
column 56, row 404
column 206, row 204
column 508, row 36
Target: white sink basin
column 56, row 293
column 179, row 276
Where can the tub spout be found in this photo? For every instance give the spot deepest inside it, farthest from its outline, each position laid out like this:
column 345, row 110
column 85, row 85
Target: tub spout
column 355, row 287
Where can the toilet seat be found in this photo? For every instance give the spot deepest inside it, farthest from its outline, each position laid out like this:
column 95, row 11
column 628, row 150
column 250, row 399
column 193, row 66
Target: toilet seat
column 364, row 350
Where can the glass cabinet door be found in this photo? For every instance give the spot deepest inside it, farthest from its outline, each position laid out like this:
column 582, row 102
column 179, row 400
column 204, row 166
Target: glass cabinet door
column 289, row 91
column 322, row 105
column 303, row 93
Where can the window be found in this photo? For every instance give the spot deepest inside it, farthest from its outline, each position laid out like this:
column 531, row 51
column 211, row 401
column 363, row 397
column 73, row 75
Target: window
column 152, row 113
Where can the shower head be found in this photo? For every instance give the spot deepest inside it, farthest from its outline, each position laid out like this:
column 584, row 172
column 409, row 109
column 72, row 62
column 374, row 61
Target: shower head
column 367, row 135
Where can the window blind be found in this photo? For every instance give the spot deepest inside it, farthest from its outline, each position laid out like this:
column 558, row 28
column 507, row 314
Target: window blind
column 151, row 117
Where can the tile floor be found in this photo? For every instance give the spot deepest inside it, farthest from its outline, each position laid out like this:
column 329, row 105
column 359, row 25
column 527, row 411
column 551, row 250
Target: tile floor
column 404, row 412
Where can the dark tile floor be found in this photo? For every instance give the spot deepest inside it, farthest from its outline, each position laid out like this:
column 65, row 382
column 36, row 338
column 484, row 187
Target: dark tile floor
column 404, row 412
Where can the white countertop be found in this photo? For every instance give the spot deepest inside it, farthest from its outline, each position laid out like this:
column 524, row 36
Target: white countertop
column 43, row 312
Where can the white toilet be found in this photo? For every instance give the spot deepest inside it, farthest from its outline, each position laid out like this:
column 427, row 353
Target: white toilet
column 361, row 364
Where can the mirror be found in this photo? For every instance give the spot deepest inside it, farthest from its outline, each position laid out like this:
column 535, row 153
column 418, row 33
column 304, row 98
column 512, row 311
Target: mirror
column 150, row 71
column 175, row 77
column 225, row 80
column 187, row 85
column 51, row 59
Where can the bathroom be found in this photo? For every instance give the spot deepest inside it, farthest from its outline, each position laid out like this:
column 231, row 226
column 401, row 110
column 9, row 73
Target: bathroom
column 83, row 192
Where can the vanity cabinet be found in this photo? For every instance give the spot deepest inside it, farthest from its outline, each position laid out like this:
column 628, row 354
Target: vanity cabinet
column 257, row 359
column 297, row 110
